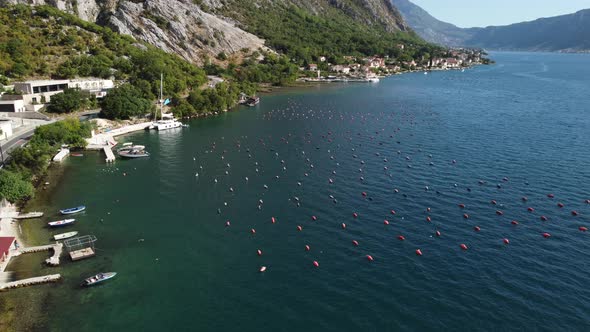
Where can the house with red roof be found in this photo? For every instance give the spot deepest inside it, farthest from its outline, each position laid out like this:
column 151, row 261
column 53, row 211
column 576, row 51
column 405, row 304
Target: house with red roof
column 7, row 243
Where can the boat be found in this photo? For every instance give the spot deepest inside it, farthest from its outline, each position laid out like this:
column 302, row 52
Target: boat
column 136, row 151
column 64, row 236
column 76, row 155
column 73, row 210
column 167, row 121
column 253, row 101
column 103, row 276
column 61, row 223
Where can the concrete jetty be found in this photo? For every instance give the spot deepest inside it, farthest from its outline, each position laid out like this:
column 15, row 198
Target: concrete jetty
column 109, row 153
column 28, row 215
column 30, row 281
column 54, row 259
column 61, row 155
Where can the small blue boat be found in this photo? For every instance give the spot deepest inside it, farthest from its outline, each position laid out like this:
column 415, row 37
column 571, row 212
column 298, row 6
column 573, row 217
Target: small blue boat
column 73, row 210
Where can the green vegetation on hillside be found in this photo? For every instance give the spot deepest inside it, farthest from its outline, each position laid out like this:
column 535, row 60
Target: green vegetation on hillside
column 305, row 36
column 71, row 100
column 43, row 41
column 29, row 162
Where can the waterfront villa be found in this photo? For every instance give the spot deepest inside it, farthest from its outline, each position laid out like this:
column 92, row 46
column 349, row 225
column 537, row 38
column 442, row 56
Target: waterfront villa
column 313, row 67
column 32, row 95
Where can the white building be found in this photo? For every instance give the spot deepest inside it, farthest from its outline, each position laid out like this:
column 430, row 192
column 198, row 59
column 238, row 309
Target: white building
column 39, row 92
column 12, row 103
column 6, row 127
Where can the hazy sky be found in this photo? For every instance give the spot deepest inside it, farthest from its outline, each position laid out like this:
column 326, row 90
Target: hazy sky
column 481, row 13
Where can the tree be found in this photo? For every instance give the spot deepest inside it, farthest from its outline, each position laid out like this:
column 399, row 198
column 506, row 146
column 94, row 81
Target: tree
column 13, row 187
column 71, row 100
column 124, row 102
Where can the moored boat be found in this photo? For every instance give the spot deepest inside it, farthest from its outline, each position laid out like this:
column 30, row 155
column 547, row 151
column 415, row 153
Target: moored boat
column 103, row 276
column 64, row 236
column 253, row 101
column 61, row 223
column 136, row 151
column 73, row 210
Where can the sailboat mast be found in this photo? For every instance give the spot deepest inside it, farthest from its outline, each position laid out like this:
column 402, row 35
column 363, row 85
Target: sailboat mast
column 162, row 95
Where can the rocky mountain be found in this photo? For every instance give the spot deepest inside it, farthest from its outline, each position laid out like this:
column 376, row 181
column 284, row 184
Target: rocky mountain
column 201, row 29
column 560, row 33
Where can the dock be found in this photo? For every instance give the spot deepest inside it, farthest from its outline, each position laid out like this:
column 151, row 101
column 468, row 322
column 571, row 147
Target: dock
column 30, row 281
column 77, row 255
column 109, row 153
column 54, row 259
column 29, row 215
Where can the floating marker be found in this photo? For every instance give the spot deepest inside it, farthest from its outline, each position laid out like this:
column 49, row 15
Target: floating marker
column 543, row 218
column 355, row 215
column 392, row 211
column 316, row 264
column 355, row 242
column 546, row 235
column 583, row 229
column 462, row 206
column 437, row 233
column 428, row 219
column 299, row 228
column 506, row 241
column 418, row 252
column 307, row 248
column 314, row 218
column 262, row 269
column 477, row 229
column 498, row 212
column 259, row 252
column 273, row 219
column 343, row 225
column 514, row 222
column 370, row 258
column 466, row 216
column 227, row 223
column 385, row 222
column 401, row 237
column 253, row 231
column 574, row 213
column 560, row 204
column 463, row 246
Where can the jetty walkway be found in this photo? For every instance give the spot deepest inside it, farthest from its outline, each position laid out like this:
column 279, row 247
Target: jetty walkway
column 30, row 281
column 106, row 141
column 53, row 260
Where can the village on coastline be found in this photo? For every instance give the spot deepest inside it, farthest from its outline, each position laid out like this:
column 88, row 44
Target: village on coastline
column 370, row 69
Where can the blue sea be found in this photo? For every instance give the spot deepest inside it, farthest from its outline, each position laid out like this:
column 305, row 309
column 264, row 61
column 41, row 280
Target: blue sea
column 422, row 152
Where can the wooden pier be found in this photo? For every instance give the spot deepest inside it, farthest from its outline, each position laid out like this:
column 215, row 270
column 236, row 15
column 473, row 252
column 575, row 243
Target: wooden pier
column 54, row 259
column 109, row 153
column 29, row 215
column 30, row 281
column 82, row 254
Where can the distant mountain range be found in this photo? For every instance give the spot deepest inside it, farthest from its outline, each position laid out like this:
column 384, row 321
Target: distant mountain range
column 569, row 33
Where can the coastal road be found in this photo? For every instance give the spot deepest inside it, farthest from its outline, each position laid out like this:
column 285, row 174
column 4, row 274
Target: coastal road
column 13, row 143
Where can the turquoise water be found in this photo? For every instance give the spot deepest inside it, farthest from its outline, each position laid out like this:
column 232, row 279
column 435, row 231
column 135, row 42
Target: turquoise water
column 518, row 128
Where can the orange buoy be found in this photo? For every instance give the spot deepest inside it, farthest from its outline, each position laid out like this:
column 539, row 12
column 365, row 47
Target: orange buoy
column 259, row 252
column 370, row 258
column 463, row 246
column 299, row 228
column 253, row 231
column 273, row 219
column 307, row 248
column 546, row 235
column 477, row 229
column 428, row 219
column 462, row 205
column 574, row 213
column 401, row 237
column 354, row 214
column 316, row 264
column 418, row 252
column 262, row 269
column 530, row 209
column 583, row 229
column 437, row 233
column 385, row 222
column 314, row 218
column 392, row 211
column 343, row 225
column 466, row 216
column 543, row 218
column 227, row 223
column 498, row 212
column 506, row 241
column 355, row 242
column 514, row 222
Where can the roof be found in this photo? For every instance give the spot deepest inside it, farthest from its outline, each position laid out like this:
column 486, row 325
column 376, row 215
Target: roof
column 5, row 244
column 44, row 82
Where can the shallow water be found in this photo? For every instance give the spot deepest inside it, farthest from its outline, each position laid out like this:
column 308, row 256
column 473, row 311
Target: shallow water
column 525, row 119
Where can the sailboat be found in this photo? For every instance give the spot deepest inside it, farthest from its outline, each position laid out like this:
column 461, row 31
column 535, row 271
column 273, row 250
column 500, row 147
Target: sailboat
column 167, row 121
